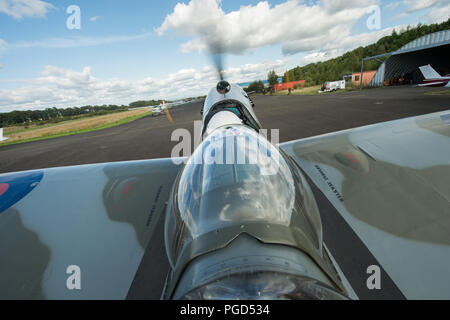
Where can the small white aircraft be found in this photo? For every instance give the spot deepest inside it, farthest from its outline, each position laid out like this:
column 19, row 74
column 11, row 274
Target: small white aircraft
column 432, row 78
column 158, row 110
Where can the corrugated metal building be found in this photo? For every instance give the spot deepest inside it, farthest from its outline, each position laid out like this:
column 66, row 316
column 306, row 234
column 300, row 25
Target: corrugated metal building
column 431, row 49
column 367, row 77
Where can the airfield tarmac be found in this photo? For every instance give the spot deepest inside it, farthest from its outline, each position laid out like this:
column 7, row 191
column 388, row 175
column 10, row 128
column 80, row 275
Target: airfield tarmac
column 296, row 116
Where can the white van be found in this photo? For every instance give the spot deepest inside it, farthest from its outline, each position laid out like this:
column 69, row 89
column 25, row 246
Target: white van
column 332, row 86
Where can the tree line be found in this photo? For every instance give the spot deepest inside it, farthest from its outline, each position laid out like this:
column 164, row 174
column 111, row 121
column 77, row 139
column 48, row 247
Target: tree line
column 350, row 62
column 54, row 115
column 255, row 86
column 145, row 103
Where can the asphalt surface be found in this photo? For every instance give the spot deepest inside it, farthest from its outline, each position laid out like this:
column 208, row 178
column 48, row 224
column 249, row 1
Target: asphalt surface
column 296, row 117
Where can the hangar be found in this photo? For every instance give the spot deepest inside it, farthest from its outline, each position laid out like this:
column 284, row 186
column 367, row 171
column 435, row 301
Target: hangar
column 431, row 49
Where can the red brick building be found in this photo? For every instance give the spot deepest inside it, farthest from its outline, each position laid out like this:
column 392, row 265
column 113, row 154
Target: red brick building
column 287, row 85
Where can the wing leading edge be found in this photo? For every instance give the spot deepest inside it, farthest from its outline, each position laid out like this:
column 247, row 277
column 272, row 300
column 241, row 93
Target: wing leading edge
column 389, row 182
column 96, row 217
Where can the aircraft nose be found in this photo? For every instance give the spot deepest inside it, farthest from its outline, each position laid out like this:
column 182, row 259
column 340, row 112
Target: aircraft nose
column 223, row 87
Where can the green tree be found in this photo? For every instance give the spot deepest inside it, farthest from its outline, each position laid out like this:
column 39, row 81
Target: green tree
column 350, row 62
column 272, row 78
column 256, row 86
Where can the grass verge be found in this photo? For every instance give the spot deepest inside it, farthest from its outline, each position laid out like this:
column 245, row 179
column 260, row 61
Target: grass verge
column 433, row 93
column 64, row 134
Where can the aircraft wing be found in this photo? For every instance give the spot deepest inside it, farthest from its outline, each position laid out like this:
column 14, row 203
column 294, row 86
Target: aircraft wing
column 384, row 195
column 99, row 218
column 431, row 84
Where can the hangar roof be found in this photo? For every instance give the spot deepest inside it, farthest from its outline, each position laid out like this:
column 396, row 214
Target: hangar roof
column 404, row 60
column 430, row 40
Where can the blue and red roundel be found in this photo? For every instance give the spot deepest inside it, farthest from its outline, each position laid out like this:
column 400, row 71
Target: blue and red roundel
column 14, row 187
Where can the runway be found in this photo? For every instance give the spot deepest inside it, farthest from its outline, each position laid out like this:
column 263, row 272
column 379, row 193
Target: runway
column 295, row 116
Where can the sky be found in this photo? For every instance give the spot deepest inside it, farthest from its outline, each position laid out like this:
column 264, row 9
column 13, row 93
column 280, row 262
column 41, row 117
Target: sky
column 94, row 52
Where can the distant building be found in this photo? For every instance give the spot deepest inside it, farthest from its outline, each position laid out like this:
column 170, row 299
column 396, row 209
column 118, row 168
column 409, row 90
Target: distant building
column 288, row 85
column 433, row 49
column 367, row 78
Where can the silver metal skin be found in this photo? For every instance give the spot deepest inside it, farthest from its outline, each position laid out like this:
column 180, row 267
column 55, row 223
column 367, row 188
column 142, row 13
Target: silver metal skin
column 235, row 95
column 212, row 275
column 99, row 217
column 216, row 202
column 388, row 182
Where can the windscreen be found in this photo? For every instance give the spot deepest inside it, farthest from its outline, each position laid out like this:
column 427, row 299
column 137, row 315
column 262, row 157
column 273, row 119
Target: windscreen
column 235, row 177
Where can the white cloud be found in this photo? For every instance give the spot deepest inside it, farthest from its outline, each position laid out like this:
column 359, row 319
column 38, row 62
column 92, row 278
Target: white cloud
column 392, row 5
column 66, row 79
column 18, row 9
column 341, row 43
column 297, row 25
column 437, row 14
column 438, row 10
column 416, row 5
column 76, row 41
column 63, row 88
column 93, row 19
column 205, row 12
column 2, row 46
column 317, row 56
column 335, row 48
column 334, row 6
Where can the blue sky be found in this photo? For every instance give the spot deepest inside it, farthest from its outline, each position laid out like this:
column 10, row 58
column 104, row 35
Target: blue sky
column 127, row 50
